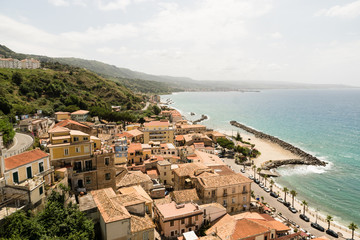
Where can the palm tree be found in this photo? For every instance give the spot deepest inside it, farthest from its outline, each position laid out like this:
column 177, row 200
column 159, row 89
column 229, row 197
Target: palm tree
column 254, row 168
column 329, row 219
column 352, row 227
column 293, row 194
column 271, row 184
column 265, row 178
column 304, row 203
column 285, row 190
column 258, row 170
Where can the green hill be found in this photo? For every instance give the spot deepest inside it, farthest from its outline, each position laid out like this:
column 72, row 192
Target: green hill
column 62, row 88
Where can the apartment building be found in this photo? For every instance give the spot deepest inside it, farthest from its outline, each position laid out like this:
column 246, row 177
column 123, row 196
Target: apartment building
column 187, row 128
column 121, row 151
column 175, row 219
column 89, row 167
column 138, row 153
column 165, row 173
column 15, row 63
column 158, row 131
column 59, row 116
column 80, row 115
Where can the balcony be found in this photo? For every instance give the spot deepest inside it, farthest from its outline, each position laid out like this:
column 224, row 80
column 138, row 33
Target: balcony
column 76, row 171
column 46, row 172
column 225, row 194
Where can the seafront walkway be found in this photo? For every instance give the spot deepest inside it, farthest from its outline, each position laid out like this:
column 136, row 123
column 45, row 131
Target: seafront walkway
column 285, row 212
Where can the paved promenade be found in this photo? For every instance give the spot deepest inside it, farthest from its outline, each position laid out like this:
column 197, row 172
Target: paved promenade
column 280, row 208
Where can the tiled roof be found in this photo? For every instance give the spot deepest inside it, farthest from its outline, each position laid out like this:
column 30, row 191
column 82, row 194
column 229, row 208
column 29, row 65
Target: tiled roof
column 138, row 189
column 134, row 147
column 188, row 169
column 179, row 137
column 223, row 180
column 80, row 112
column 135, row 132
column 59, row 129
column 246, row 228
column 209, row 159
column 139, row 224
column 24, row 158
column 163, row 162
column 156, row 123
column 66, row 122
column 185, row 196
column 109, row 210
column 129, row 199
column 132, row 178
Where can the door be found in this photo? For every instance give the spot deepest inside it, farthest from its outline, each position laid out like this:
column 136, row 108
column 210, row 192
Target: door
column 16, row 177
column 29, row 172
column 80, row 183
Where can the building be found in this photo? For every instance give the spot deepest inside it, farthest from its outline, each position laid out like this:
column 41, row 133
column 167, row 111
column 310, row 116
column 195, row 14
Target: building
column 88, row 168
column 183, row 129
column 212, row 212
column 123, row 216
column 175, row 219
column 190, row 139
column 165, row 173
column 138, row 153
column 74, row 125
column 137, row 189
column 15, row 63
column 121, row 151
column 80, row 115
column 158, row 131
column 184, row 174
column 185, row 196
column 59, row 116
column 233, row 191
column 133, row 178
column 27, row 174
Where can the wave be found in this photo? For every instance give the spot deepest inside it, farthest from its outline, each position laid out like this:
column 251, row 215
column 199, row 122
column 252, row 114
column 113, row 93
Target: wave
column 304, row 169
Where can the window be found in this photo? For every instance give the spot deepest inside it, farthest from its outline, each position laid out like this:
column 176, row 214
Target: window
column 265, row 238
column 225, row 192
column 233, row 200
column 86, row 149
column 213, row 193
column 15, row 177
column 175, row 232
column 41, row 190
column 107, row 176
column 41, row 167
column 183, row 221
column 272, row 235
column 244, row 188
column 88, row 165
column 224, row 202
column 171, row 223
column 77, row 149
column 76, row 139
column 77, row 166
column 29, row 172
column 244, row 199
column 107, row 161
column 196, row 217
column 189, row 229
column 196, row 228
column 88, row 180
column 182, row 230
column 164, row 173
column 233, row 190
column 85, row 138
column 66, row 151
column 165, row 182
column 172, row 233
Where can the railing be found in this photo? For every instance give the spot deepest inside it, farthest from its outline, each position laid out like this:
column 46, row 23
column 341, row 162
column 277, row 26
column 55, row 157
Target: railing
column 46, row 172
column 75, row 171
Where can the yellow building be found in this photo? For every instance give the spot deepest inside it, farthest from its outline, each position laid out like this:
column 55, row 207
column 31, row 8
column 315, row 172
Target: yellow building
column 27, row 174
column 158, row 131
column 59, row 116
column 89, row 166
column 138, row 152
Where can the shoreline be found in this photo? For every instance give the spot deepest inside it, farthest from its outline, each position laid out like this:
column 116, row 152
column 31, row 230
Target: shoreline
column 304, row 158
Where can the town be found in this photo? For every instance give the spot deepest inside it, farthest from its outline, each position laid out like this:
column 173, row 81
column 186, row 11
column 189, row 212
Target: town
column 162, row 179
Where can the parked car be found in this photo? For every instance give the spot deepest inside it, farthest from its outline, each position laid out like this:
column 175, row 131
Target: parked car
column 274, row 195
column 261, row 185
column 242, row 170
column 287, row 204
column 251, row 177
column 304, row 217
column 280, row 200
column 292, row 209
column 332, row 233
column 266, row 189
column 317, row 226
column 257, row 181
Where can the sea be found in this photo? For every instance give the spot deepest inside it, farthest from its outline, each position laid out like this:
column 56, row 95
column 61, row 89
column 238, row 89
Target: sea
column 325, row 123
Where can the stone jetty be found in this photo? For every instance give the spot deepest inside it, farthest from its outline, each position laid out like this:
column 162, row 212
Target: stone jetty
column 305, row 158
column 203, row 117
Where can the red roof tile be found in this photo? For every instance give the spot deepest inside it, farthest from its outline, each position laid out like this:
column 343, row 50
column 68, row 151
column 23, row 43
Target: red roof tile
column 64, row 123
column 24, row 158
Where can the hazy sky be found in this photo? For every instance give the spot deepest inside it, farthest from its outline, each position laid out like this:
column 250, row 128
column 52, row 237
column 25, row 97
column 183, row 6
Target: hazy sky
column 285, row 40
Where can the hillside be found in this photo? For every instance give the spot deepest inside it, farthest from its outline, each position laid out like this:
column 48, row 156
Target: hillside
column 23, row 91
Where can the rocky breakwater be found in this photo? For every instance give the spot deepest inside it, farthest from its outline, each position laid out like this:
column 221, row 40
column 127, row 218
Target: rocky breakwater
column 305, row 158
column 203, row 117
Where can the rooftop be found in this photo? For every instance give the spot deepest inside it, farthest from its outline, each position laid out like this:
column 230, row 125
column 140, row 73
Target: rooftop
column 133, row 147
column 138, row 189
column 185, row 196
column 171, row 210
column 163, row 163
column 139, row 224
column 24, row 158
column 135, row 132
column 66, row 122
column 80, row 112
column 156, row 124
column 188, row 169
column 223, row 180
column 58, row 113
column 59, row 129
column 132, row 178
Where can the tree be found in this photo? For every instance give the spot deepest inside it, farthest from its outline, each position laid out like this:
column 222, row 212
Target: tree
column 254, row 168
column 293, row 194
column 329, row 219
column 285, row 190
column 271, row 184
column 156, row 110
column 265, row 178
column 17, row 78
column 238, row 137
column 225, row 143
column 258, row 171
column 352, row 227
column 304, row 203
column 5, row 106
column 7, row 129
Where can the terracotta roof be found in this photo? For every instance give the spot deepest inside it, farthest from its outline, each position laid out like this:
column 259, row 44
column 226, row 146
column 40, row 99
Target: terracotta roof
column 152, row 173
column 245, row 228
column 66, row 122
column 129, row 199
column 138, row 189
column 185, row 196
column 179, row 137
column 186, row 126
column 80, row 112
column 135, row 132
column 156, row 123
column 139, row 224
column 124, row 134
column 134, row 147
column 24, row 158
column 109, row 210
column 132, row 178
column 188, row 169
column 209, row 159
column 223, row 180
column 59, row 129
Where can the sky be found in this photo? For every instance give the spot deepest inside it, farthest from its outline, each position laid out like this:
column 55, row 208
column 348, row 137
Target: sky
column 269, row 40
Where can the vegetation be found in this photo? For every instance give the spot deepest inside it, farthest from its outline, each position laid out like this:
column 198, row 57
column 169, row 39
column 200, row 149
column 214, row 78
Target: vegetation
column 7, row 130
column 293, row 194
column 61, row 88
column 225, row 143
column 285, row 190
column 56, row 221
column 352, row 227
column 304, row 203
column 271, row 184
column 329, row 219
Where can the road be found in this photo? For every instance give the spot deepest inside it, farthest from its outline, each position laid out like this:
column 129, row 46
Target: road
column 280, row 208
column 21, row 143
column 146, row 106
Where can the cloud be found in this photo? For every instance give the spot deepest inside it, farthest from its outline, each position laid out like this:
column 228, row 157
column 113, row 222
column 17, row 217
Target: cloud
column 67, row 3
column 350, row 10
column 59, row 3
column 106, row 5
column 276, row 35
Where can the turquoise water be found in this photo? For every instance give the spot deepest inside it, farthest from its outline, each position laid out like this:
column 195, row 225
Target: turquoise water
column 325, row 123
